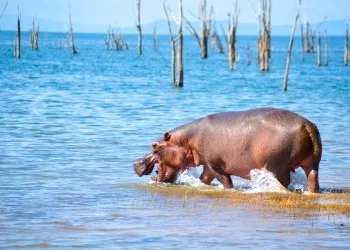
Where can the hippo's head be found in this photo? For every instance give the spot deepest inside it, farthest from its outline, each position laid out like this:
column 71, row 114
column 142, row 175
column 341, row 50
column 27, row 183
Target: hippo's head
column 171, row 157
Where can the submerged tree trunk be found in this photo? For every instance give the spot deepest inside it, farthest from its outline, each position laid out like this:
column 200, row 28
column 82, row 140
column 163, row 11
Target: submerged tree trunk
column 138, row 26
column 325, row 49
column 74, row 51
column 319, row 63
column 309, row 39
column 249, row 55
column 108, row 38
column 18, row 37
column 302, row 41
column 216, row 39
column 180, row 70
column 206, row 28
column 34, row 36
column 155, row 38
column 264, row 41
column 290, row 48
column 232, row 37
column 205, row 33
column 116, row 38
column 176, row 58
column 269, row 29
column 346, row 46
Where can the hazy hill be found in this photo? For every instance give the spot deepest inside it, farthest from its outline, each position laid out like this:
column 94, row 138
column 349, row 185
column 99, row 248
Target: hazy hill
column 9, row 23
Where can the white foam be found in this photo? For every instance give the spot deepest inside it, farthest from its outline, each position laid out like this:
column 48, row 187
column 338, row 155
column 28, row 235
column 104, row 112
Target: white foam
column 298, row 181
column 261, row 181
column 264, row 181
column 190, row 177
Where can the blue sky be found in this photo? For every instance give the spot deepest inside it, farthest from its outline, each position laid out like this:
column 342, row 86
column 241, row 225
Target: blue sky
column 121, row 12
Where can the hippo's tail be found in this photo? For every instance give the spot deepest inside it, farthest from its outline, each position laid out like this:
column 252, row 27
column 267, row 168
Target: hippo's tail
column 315, row 138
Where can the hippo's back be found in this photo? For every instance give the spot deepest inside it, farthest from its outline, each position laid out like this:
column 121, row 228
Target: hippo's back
column 252, row 139
column 255, row 115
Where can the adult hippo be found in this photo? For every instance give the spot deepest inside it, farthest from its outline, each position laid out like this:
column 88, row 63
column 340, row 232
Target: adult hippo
column 234, row 143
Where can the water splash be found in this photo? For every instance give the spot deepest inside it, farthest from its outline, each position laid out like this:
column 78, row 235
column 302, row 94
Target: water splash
column 261, row 181
column 264, row 181
column 190, row 177
column 298, row 181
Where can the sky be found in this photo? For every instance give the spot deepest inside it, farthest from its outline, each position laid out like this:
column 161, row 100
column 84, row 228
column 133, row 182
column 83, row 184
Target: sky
column 121, row 12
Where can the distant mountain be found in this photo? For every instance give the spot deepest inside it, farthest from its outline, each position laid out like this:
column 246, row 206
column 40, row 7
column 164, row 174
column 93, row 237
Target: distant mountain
column 334, row 28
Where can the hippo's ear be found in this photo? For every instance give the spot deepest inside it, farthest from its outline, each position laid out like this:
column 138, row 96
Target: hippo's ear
column 167, row 136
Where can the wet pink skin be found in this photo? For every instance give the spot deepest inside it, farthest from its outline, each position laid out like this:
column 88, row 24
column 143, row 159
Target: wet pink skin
column 234, row 143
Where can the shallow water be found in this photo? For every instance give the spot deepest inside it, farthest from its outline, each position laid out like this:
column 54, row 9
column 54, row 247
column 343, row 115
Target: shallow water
column 71, row 126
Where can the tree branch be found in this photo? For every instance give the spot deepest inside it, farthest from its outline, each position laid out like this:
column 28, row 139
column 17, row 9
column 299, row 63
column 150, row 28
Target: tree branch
column 4, row 9
column 193, row 31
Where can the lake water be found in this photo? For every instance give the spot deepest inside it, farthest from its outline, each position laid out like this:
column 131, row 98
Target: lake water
column 71, row 127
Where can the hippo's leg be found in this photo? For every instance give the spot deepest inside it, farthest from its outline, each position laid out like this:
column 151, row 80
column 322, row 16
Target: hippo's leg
column 284, row 178
column 282, row 173
column 206, row 177
column 221, row 176
column 312, row 178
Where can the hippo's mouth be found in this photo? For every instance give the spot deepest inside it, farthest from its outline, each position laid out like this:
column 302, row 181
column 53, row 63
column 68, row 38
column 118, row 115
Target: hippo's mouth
column 145, row 165
column 165, row 174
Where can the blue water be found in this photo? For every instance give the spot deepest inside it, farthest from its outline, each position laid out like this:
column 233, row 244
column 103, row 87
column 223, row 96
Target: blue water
column 71, row 127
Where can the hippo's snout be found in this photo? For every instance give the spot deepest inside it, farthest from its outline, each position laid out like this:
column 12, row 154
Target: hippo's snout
column 145, row 165
column 139, row 167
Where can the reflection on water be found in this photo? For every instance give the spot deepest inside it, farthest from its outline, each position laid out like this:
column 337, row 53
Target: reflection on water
column 71, row 127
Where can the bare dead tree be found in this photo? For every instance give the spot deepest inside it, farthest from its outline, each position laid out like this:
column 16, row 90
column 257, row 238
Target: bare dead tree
column 116, row 39
column 108, row 38
column 155, row 38
column 180, row 69
column 346, row 46
column 302, row 41
column 138, row 26
column 290, row 48
column 215, row 37
column 119, row 40
column 74, row 51
column 176, row 56
column 312, row 39
column 34, row 36
column 18, row 37
column 325, row 49
column 319, row 63
column 249, row 54
column 309, row 38
column 264, row 38
column 205, row 26
column 232, row 28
